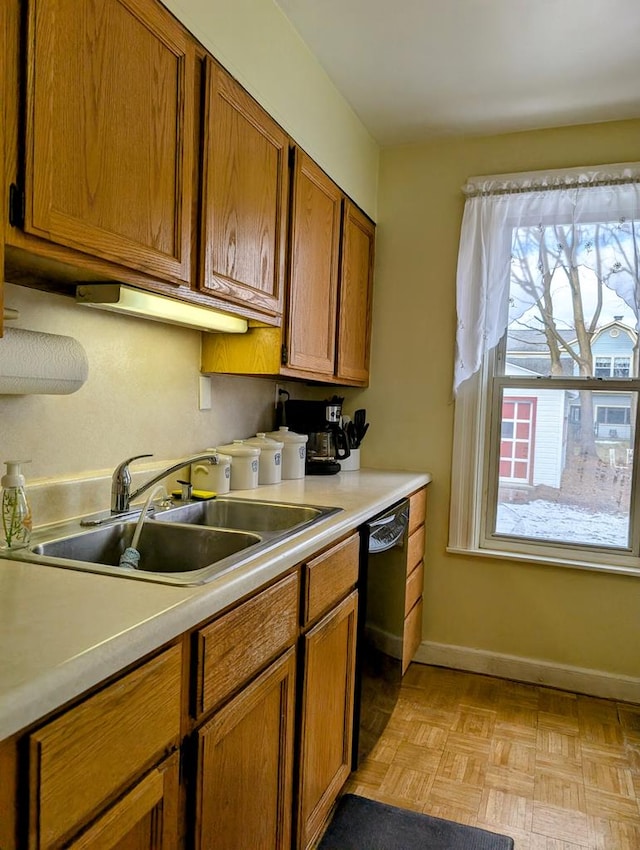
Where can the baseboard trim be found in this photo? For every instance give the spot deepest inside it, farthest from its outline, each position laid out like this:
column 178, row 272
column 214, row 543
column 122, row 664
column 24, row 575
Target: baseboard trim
column 534, row 671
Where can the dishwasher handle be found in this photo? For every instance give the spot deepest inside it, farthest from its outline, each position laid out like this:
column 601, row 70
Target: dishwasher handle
column 388, row 530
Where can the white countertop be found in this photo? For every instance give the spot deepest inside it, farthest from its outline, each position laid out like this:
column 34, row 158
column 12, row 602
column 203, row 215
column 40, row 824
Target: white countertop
column 63, row 631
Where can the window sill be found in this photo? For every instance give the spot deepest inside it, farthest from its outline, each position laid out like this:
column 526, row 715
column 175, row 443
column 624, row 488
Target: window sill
column 630, row 568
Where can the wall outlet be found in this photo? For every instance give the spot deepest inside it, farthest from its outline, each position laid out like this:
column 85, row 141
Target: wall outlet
column 204, row 392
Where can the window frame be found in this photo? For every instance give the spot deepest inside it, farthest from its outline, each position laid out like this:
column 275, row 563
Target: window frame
column 612, row 360
column 472, row 387
column 474, row 502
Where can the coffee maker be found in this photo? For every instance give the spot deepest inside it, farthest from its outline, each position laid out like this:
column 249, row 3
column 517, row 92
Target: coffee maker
column 320, row 420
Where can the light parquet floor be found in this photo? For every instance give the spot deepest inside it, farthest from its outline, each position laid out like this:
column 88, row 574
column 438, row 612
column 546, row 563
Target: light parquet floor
column 555, row 770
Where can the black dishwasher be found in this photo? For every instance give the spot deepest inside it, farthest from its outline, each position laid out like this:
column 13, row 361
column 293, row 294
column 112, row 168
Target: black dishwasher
column 382, row 588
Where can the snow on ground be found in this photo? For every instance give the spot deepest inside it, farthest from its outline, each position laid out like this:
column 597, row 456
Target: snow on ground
column 553, row 521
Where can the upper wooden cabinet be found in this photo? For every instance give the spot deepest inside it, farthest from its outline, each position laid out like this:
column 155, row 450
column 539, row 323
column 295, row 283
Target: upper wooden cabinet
column 245, row 191
column 127, row 163
column 326, row 336
column 109, row 135
column 3, row 71
column 355, row 296
column 313, row 277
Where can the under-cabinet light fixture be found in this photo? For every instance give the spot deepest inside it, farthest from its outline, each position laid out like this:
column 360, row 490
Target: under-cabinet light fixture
column 158, row 308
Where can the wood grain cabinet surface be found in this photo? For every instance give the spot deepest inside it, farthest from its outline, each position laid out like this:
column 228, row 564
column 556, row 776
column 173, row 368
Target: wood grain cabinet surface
column 412, row 626
column 355, row 296
column 3, row 207
column 145, row 818
column 245, row 684
column 110, row 132
column 328, row 683
column 245, row 766
column 235, row 647
column 327, row 326
column 80, row 762
column 245, row 193
column 134, row 166
column 328, row 578
column 313, row 274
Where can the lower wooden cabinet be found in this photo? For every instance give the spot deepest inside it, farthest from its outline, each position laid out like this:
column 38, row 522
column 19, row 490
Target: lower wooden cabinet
column 245, row 766
column 82, row 762
column 146, row 818
column 251, row 754
column 328, row 684
column 412, row 626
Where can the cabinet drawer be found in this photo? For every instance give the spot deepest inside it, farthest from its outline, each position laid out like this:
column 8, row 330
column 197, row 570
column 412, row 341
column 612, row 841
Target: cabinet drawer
column 83, row 759
column 329, row 577
column 232, row 649
column 414, row 587
column 417, row 509
column 415, row 549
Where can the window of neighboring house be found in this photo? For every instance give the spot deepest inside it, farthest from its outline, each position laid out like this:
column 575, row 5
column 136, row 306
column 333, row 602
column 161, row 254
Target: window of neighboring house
column 612, row 367
column 545, row 426
column 613, row 415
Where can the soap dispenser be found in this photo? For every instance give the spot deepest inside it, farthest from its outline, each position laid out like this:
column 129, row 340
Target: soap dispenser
column 16, row 511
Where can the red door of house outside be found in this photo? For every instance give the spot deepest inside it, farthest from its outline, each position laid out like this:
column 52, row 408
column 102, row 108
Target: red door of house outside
column 517, row 439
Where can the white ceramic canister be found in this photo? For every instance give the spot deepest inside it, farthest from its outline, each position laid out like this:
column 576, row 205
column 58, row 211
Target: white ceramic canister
column 270, row 466
column 215, row 477
column 244, row 464
column 294, row 453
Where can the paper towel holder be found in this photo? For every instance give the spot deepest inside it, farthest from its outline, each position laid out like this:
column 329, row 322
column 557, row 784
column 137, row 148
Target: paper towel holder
column 37, row 363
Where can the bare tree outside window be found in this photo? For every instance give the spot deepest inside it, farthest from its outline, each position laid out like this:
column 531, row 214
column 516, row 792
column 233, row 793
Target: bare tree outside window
column 572, row 299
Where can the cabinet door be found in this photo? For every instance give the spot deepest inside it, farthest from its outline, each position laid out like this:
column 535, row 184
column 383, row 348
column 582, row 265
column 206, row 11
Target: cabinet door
column 245, row 197
column 355, row 294
column 412, row 628
column 144, row 819
column 109, row 153
column 245, row 763
column 3, row 196
column 313, row 283
column 327, row 716
column 83, row 759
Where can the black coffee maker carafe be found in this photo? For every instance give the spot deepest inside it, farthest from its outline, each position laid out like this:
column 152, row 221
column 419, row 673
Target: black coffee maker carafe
column 320, row 420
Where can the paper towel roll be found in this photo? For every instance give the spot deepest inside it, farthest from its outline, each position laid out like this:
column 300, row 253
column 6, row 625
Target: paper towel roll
column 40, row 363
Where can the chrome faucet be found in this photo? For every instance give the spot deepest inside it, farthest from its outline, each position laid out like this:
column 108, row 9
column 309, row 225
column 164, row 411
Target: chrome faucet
column 121, row 497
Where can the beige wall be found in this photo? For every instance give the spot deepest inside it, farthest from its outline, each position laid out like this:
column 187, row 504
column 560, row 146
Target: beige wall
column 141, row 396
column 564, row 616
column 257, row 44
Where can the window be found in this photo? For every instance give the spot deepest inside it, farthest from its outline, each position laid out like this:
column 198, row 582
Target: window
column 546, row 383
column 612, row 367
column 613, row 415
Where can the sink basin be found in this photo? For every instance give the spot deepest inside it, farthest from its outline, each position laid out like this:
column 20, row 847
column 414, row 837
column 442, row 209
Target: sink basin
column 187, row 544
column 163, row 549
column 244, row 514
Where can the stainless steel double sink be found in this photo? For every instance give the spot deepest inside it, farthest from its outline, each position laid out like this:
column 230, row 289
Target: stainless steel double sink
column 185, row 544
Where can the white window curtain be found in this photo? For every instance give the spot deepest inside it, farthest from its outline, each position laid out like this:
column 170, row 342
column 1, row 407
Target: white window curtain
column 495, row 207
